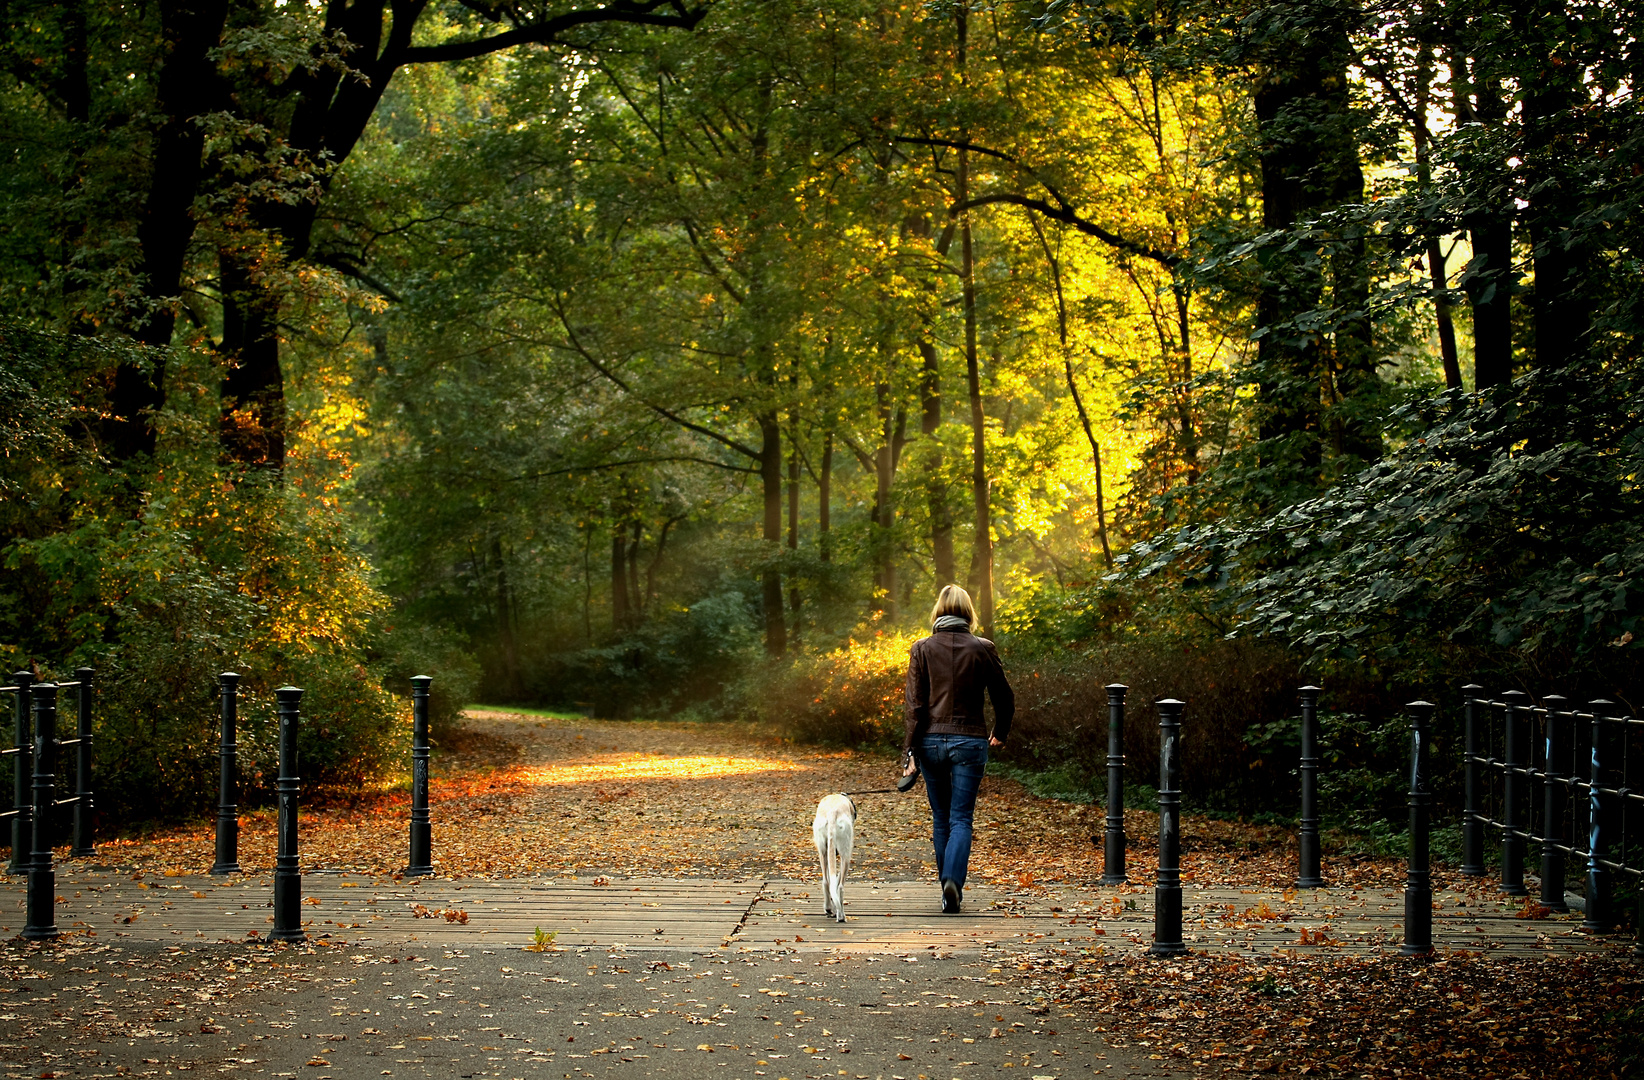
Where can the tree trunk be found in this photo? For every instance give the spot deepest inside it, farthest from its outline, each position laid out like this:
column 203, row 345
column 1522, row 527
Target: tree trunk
column 252, row 424
column 891, row 431
column 770, row 477
column 824, row 501
column 1185, row 421
column 1079, row 402
column 1489, row 278
column 1355, row 431
column 619, row 577
column 981, row 559
column 1309, row 163
column 1437, row 271
column 1095, row 457
column 587, row 586
column 506, row 637
column 936, row 485
column 1563, row 316
column 656, row 559
column 794, row 599
column 636, row 598
column 191, row 29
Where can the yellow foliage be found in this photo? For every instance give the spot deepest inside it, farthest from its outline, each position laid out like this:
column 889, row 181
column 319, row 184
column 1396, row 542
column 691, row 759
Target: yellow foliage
column 852, row 694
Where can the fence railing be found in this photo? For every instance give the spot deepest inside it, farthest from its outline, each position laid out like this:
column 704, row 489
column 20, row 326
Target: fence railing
column 34, row 813
column 35, row 810
column 1567, row 780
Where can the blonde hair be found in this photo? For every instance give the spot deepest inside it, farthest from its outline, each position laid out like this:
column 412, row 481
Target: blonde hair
column 953, row 600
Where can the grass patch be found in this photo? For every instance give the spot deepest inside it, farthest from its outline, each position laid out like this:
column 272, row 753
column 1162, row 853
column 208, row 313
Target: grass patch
column 1061, row 784
column 521, row 710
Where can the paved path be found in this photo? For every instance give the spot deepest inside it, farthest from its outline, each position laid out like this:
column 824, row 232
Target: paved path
column 772, row 914
column 653, row 977
column 736, row 980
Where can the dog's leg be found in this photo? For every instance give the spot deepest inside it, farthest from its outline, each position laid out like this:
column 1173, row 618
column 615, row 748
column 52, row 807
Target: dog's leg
column 819, row 834
column 845, row 840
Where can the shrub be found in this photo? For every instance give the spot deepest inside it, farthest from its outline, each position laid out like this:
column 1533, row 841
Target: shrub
column 677, row 659
column 1230, row 687
column 162, row 573
column 854, row 695
column 851, row 695
column 405, row 648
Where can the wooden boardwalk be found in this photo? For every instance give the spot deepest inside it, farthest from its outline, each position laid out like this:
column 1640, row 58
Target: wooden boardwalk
column 773, row 915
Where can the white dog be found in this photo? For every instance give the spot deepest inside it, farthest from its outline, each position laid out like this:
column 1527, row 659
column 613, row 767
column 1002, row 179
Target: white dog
column 835, row 835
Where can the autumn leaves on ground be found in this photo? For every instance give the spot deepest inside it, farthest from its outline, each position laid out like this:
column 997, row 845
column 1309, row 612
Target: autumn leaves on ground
column 516, row 794
column 524, row 795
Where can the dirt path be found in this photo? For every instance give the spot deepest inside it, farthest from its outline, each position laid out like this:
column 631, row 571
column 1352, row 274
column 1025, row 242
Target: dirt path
column 520, row 794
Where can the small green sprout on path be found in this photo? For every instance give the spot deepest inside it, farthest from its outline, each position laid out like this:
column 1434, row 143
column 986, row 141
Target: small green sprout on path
column 541, row 940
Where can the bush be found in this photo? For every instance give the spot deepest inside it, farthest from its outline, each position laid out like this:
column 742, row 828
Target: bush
column 852, row 695
column 678, row 659
column 1230, row 687
column 162, row 573
column 405, row 648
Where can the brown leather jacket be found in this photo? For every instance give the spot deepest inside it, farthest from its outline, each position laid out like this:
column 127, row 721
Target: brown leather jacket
column 947, row 674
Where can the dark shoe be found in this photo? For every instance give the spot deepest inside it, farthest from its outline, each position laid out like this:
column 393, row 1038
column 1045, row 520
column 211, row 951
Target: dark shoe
column 950, row 898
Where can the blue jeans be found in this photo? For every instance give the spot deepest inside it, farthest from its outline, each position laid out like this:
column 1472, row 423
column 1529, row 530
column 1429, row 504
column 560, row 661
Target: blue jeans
column 953, row 766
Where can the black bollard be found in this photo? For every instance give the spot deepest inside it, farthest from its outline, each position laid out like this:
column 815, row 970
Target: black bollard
column 85, row 828
column 1555, row 790
column 1113, row 839
column 22, row 833
column 41, row 920
column 1598, row 916
column 1472, row 818
column 228, row 779
column 1514, row 789
column 1418, row 881
column 288, row 876
column 1307, row 840
column 422, row 841
column 1167, row 893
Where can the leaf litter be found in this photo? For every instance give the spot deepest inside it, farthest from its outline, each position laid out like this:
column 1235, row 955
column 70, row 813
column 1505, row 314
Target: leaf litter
column 518, row 795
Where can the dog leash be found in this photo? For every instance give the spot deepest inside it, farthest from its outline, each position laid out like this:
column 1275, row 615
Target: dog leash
column 902, row 788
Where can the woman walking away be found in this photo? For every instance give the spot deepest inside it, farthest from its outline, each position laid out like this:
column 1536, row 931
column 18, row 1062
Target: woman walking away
column 947, row 736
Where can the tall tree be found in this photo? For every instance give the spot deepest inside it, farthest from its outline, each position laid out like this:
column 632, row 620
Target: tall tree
column 247, row 110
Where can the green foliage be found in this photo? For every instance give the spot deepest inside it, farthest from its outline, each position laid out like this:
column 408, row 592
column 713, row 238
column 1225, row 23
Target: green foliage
column 161, row 575
column 405, row 647
column 1501, row 540
column 681, row 658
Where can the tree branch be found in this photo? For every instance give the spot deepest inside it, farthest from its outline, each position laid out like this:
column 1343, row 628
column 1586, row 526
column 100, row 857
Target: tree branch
column 350, row 269
column 861, row 455
column 1070, row 217
column 666, row 459
column 582, row 351
column 1063, row 210
column 673, row 14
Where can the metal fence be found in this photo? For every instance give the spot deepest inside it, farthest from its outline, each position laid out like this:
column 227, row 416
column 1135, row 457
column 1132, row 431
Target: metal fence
column 1557, row 782
column 34, row 815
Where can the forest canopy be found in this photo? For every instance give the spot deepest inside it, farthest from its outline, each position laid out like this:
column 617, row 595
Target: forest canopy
column 666, row 357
